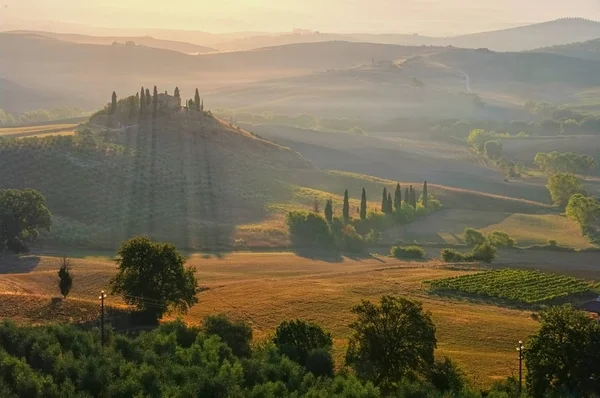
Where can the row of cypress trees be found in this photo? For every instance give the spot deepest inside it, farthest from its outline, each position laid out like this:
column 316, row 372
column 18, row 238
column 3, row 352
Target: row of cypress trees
column 388, row 205
column 146, row 99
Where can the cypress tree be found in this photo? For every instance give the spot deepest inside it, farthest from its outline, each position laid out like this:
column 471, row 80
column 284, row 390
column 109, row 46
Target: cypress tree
column 142, row 101
column 329, row 211
column 154, row 101
column 390, row 208
column 148, row 97
column 425, row 194
column 384, row 200
column 398, row 198
column 411, row 194
column 176, row 92
column 346, row 209
column 202, row 106
column 197, row 100
column 113, row 104
column 363, row 205
column 406, row 196
column 132, row 106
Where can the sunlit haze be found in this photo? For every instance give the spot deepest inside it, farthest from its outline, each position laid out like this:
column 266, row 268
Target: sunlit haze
column 428, row 17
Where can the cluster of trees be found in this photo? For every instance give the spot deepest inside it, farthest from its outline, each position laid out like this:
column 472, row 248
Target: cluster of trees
column 390, row 354
column 40, row 115
column 484, row 247
column 489, row 143
column 23, row 215
column 347, row 233
column 563, row 121
column 585, row 211
column 562, row 187
column 568, row 162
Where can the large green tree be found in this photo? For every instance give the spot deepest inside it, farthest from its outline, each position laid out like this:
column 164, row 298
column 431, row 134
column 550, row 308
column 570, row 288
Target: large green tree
column 298, row 338
column 398, row 198
column 563, row 358
column 65, row 279
column 23, row 214
column 363, row 205
column 346, row 208
column 562, row 186
column 329, row 210
column 153, row 277
column 384, row 198
column 391, row 341
column 584, row 210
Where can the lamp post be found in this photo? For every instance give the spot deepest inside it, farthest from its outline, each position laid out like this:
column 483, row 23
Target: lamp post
column 520, row 351
column 102, row 297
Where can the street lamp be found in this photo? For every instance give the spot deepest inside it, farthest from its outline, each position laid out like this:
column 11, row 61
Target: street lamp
column 520, row 350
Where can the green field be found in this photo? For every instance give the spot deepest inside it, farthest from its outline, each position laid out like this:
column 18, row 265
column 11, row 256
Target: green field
column 529, row 287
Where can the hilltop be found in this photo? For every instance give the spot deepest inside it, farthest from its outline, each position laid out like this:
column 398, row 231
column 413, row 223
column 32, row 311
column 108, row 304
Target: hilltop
column 589, row 49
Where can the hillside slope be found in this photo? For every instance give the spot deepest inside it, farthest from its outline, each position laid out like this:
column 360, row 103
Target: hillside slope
column 589, row 49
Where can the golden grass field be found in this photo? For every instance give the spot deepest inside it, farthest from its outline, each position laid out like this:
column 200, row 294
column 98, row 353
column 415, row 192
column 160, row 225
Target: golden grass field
column 38, row 131
column 267, row 288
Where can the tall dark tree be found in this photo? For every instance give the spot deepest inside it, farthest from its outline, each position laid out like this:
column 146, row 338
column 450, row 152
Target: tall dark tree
column 154, row 101
column 202, row 106
column 132, row 106
column 197, row 100
column 113, row 104
column 176, row 92
column 398, row 198
column 406, row 196
column 65, row 279
column 329, row 211
column 390, row 205
column 363, row 205
column 346, row 208
column 384, row 198
column 148, row 97
column 142, row 101
column 425, row 195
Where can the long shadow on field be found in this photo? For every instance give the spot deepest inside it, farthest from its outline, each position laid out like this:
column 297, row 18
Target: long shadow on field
column 332, row 256
column 14, row 264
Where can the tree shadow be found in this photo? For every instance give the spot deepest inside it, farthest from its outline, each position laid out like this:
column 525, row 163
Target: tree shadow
column 18, row 264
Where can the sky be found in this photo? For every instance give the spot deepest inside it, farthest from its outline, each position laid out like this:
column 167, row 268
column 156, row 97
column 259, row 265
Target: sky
column 427, row 17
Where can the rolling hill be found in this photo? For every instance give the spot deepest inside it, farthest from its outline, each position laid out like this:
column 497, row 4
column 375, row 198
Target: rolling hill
column 589, row 49
column 146, row 41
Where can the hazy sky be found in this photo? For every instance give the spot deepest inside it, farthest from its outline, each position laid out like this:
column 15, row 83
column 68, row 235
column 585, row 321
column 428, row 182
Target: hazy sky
column 432, row 17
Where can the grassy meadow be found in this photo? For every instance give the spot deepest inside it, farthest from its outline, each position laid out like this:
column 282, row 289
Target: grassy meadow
column 38, row 131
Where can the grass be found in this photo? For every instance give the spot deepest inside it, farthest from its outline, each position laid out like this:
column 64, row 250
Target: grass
column 519, row 286
column 267, row 288
column 38, row 131
column 538, row 229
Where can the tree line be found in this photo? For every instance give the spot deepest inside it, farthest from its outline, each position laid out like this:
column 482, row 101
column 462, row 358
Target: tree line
column 567, row 162
column 40, row 115
column 311, row 229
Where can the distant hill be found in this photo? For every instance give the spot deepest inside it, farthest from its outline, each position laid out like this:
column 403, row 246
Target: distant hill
column 147, row 41
column 15, row 98
column 589, row 49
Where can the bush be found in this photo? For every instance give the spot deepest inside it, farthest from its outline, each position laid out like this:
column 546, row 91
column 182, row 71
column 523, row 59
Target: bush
column 484, row 252
column 447, row 376
column 453, row 256
column 473, row 237
column 320, row 362
column 308, row 228
column 501, row 239
column 410, row 252
column 237, row 335
column 296, row 339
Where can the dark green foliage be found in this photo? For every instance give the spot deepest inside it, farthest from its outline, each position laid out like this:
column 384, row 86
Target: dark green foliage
column 363, row 205
column 484, row 252
column 345, row 237
column 425, row 195
column 473, row 237
column 500, row 239
column 296, row 339
column 453, row 256
column 407, row 196
column 493, row 149
column 384, row 201
column 148, row 97
column 153, row 277
column 23, row 214
column 237, row 335
column 197, row 100
column 445, row 375
column 154, row 101
column 176, row 93
column 308, row 229
column 407, row 252
column 346, row 208
column 389, row 205
column 142, row 101
column 65, row 279
column 320, row 362
column 113, row 104
column 562, row 186
column 329, row 210
column 397, row 198
column 391, row 341
column 563, row 358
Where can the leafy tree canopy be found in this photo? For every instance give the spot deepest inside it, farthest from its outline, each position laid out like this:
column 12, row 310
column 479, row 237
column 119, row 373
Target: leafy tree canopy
column 562, row 186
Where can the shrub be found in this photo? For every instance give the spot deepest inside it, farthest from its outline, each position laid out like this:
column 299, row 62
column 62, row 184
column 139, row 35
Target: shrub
column 484, row 252
column 410, row 252
column 296, row 339
column 308, row 228
column 447, row 376
column 501, row 239
column 320, row 362
column 453, row 256
column 237, row 335
column 473, row 237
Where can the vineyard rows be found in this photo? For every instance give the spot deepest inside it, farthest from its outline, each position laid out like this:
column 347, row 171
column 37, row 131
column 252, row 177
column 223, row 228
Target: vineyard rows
column 531, row 287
